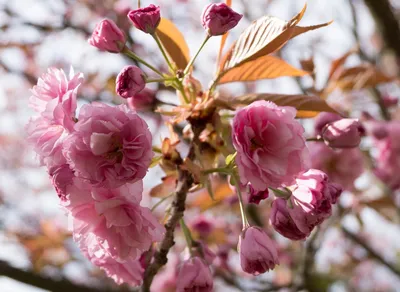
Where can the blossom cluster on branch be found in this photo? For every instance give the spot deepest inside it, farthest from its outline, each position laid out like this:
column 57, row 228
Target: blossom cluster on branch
column 97, row 159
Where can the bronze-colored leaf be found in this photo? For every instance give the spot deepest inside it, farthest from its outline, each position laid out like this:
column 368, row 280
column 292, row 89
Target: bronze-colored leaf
column 307, row 106
column 298, row 30
column 165, row 188
column 221, row 190
column 337, row 64
column 357, row 78
column 174, row 43
column 264, row 36
column 266, row 67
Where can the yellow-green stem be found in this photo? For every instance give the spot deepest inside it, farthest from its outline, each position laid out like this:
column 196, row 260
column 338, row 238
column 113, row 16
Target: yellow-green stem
column 245, row 222
column 187, row 234
column 195, row 56
column 160, row 46
column 133, row 56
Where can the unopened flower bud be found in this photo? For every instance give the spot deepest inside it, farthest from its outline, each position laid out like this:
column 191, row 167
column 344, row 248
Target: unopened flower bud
column 146, row 19
column 194, row 275
column 108, row 37
column 130, row 81
column 142, row 101
column 345, row 133
column 257, row 251
column 218, row 18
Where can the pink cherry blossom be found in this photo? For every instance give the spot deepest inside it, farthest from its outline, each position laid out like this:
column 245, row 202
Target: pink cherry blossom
column 270, row 145
column 194, row 275
column 108, row 37
column 129, row 271
column 110, row 146
column 218, row 18
column 343, row 166
column 312, row 199
column 112, row 219
column 54, row 85
column 257, row 251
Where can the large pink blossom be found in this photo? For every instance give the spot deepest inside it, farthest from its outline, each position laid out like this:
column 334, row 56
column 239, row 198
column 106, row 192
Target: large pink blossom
column 110, row 146
column 129, row 271
column 343, row 166
column 53, row 85
column 112, row 219
column 270, row 145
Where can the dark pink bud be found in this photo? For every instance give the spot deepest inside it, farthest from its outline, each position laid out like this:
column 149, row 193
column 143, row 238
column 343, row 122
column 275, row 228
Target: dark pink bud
column 283, row 223
column 255, row 197
column 390, row 101
column 130, row 81
column 257, row 251
column 345, row 133
column 323, row 119
column 203, row 226
column 107, row 37
column 142, row 101
column 194, row 275
column 146, row 19
column 217, row 19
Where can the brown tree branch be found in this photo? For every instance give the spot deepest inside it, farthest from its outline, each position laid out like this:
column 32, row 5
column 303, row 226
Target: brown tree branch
column 30, row 278
column 374, row 91
column 387, row 22
column 371, row 252
column 185, row 181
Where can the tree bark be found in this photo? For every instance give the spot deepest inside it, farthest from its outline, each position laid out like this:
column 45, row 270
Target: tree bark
column 383, row 13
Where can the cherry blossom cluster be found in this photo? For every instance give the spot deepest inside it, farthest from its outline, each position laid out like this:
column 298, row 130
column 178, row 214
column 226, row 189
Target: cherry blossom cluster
column 97, row 160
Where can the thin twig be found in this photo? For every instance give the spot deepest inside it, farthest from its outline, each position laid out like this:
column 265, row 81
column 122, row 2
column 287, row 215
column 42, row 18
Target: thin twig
column 371, row 252
column 27, row 277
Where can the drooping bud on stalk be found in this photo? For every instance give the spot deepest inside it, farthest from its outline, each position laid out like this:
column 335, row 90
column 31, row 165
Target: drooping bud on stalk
column 345, row 133
column 130, row 81
column 194, row 275
column 146, row 19
column 218, row 18
column 257, row 251
column 108, row 37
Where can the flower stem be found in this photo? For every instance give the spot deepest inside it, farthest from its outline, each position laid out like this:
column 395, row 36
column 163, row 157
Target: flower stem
column 245, row 222
column 315, row 139
column 161, row 201
column 138, row 3
column 160, row 80
column 214, row 170
column 195, row 56
column 133, row 56
column 160, row 46
column 186, row 232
